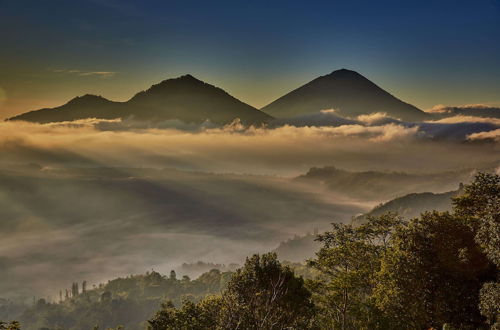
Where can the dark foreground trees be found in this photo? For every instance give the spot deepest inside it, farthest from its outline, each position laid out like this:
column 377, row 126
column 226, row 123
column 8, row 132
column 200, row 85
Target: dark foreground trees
column 127, row 301
column 348, row 262
column 14, row 325
column 438, row 271
column 432, row 275
column 261, row 295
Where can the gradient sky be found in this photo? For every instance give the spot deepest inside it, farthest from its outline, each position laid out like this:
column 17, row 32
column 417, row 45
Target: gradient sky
column 424, row 52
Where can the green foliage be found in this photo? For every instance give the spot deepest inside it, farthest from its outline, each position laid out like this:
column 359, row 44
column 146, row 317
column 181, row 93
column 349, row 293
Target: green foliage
column 481, row 204
column 490, row 303
column 427, row 273
column 261, row 295
column 128, row 301
column 348, row 262
column 265, row 295
column 191, row 316
column 432, row 274
column 14, row 325
column 473, row 204
column 488, row 232
column 412, row 205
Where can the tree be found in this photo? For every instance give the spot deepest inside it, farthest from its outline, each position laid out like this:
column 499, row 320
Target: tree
column 265, row 295
column 348, row 261
column 14, row 325
column 481, row 202
column 488, row 236
column 190, row 316
column 490, row 303
column 74, row 290
column 432, row 274
column 477, row 197
column 173, row 276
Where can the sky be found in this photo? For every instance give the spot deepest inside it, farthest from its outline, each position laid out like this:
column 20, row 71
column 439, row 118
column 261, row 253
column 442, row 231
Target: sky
column 424, row 52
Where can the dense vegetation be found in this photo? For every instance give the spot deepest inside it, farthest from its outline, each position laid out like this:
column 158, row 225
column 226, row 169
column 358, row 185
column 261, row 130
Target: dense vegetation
column 436, row 271
column 439, row 270
column 128, row 301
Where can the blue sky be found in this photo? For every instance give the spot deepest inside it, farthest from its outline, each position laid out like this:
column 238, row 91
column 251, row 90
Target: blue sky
column 424, row 52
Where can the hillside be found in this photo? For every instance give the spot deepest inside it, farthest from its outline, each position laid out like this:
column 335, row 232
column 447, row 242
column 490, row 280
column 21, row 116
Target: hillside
column 412, row 205
column 378, row 185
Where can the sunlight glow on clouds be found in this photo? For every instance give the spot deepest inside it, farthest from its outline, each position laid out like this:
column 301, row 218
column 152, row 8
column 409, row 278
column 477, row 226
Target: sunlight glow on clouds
column 466, row 119
column 285, row 150
column 491, row 135
column 374, row 118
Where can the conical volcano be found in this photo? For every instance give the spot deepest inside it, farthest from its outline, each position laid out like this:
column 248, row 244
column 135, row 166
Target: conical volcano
column 346, row 91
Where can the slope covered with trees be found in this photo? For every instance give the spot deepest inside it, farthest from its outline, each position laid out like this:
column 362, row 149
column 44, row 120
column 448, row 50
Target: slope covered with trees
column 382, row 185
column 412, row 205
column 437, row 271
column 126, row 302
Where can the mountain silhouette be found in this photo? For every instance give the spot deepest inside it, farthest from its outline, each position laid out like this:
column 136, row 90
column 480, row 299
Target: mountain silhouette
column 346, row 91
column 185, row 98
column 81, row 107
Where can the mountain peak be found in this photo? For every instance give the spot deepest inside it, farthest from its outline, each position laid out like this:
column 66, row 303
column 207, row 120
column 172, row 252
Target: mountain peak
column 183, row 81
column 187, row 77
column 347, row 91
column 184, row 78
column 344, row 71
column 87, row 98
column 345, row 74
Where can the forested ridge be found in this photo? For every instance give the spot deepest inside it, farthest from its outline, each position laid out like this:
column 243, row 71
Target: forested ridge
column 436, row 271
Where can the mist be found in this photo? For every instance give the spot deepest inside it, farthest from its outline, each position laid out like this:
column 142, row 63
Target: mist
column 284, row 150
column 96, row 199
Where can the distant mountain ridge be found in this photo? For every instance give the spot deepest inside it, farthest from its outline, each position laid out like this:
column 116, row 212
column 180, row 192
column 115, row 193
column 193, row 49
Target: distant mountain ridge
column 80, row 107
column 346, row 91
column 380, row 185
column 185, row 98
column 412, row 205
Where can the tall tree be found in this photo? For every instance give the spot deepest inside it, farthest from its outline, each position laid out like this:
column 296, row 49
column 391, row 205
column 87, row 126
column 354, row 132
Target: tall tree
column 265, row 295
column 14, row 325
column 348, row 260
column 191, row 316
column 481, row 203
column 432, row 274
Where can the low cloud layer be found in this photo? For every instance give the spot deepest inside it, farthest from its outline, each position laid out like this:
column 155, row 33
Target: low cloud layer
column 61, row 225
column 485, row 136
column 284, row 150
column 477, row 110
column 466, row 119
column 94, row 199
